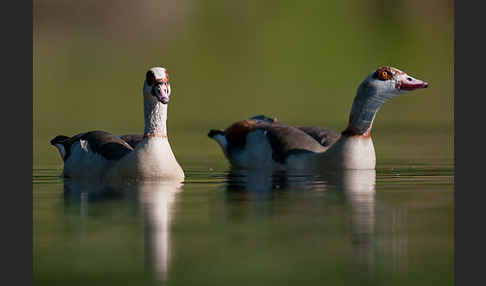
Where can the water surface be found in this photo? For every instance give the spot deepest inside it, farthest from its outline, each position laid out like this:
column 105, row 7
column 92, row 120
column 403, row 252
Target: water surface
column 389, row 226
column 230, row 60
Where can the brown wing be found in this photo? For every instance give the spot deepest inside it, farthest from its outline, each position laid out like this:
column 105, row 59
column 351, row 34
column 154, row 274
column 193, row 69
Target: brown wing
column 236, row 133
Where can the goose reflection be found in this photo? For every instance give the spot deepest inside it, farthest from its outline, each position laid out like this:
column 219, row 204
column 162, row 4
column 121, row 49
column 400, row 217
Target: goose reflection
column 268, row 181
column 355, row 187
column 359, row 188
column 156, row 200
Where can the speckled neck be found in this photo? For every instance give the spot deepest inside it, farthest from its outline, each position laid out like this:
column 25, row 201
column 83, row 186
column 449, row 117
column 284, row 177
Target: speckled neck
column 155, row 114
column 365, row 106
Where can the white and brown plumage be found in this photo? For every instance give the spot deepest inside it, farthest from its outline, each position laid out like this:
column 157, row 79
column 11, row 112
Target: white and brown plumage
column 105, row 156
column 261, row 142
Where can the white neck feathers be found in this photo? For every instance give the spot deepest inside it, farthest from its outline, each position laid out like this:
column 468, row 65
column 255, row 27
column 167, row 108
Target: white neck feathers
column 155, row 114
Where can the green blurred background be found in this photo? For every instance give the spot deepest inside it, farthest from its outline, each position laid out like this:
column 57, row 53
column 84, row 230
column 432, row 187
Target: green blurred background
column 300, row 61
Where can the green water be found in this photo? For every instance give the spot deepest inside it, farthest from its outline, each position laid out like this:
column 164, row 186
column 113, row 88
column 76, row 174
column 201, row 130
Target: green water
column 229, row 60
column 393, row 226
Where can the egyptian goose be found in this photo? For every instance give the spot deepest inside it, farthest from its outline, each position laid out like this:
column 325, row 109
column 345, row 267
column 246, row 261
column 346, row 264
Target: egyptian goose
column 102, row 155
column 262, row 142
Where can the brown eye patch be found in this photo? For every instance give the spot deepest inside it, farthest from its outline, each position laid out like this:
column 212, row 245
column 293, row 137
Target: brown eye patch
column 383, row 73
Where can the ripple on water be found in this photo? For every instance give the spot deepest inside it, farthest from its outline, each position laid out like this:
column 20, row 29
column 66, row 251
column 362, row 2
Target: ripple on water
column 47, row 175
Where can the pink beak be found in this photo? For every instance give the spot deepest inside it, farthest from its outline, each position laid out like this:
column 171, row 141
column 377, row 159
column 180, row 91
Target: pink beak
column 162, row 92
column 406, row 82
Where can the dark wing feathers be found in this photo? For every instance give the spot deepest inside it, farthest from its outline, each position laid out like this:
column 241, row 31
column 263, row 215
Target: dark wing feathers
column 132, row 139
column 325, row 136
column 110, row 146
column 59, row 139
column 106, row 144
column 284, row 139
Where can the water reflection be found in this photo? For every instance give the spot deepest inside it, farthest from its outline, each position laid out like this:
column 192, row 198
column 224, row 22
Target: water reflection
column 359, row 189
column 158, row 203
column 156, row 200
column 354, row 188
column 290, row 211
column 265, row 184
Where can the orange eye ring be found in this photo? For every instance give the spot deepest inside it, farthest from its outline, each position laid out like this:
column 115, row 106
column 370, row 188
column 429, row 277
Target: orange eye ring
column 384, row 75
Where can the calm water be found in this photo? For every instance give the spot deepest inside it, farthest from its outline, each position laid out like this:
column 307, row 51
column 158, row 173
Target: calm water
column 392, row 226
column 230, row 60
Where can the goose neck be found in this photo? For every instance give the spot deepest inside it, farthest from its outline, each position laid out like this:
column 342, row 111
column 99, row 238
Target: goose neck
column 363, row 111
column 155, row 114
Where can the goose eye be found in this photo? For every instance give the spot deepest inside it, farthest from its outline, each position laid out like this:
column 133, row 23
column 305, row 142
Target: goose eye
column 383, row 75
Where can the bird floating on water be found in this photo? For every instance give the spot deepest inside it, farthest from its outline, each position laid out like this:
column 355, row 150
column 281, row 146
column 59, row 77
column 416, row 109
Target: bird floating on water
column 262, row 142
column 105, row 156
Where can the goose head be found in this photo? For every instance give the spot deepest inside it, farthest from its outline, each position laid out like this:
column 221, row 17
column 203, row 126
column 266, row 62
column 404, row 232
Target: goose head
column 156, row 86
column 388, row 82
column 377, row 88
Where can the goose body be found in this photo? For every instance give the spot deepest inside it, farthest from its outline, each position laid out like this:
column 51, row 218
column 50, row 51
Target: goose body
column 105, row 156
column 262, row 142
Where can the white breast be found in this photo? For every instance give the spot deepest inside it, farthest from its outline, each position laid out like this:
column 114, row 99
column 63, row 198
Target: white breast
column 354, row 152
column 152, row 159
